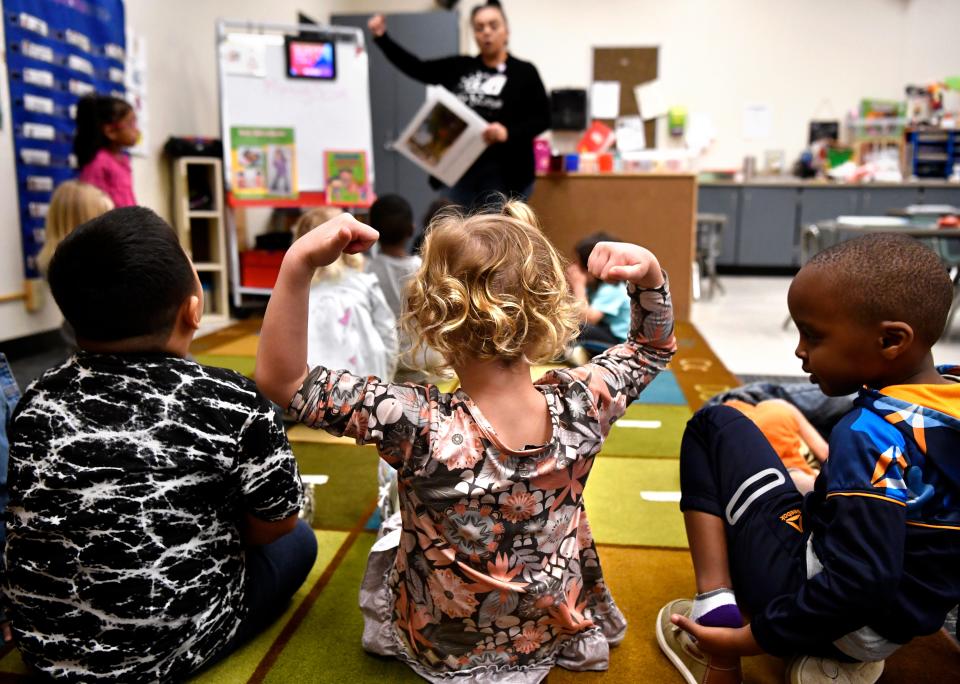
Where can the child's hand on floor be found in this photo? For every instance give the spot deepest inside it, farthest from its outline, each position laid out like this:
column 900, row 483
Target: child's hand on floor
column 720, row 641
column 617, row 261
column 324, row 244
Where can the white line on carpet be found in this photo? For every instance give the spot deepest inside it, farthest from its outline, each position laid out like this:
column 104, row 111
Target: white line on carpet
column 660, row 497
column 643, row 424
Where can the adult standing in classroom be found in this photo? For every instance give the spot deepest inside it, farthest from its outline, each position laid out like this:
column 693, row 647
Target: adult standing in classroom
column 502, row 89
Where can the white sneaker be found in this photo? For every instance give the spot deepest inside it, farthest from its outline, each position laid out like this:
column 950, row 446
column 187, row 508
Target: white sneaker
column 814, row 670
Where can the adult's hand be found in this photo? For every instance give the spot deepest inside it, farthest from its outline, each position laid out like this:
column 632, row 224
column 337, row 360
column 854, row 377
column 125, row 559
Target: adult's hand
column 377, row 25
column 495, row 133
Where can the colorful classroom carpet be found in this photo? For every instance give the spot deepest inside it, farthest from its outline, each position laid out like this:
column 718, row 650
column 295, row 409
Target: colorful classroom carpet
column 632, row 500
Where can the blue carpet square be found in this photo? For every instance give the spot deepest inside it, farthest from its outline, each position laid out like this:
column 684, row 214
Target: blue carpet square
column 663, row 390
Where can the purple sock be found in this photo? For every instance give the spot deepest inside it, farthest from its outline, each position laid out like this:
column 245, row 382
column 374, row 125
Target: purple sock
column 717, row 608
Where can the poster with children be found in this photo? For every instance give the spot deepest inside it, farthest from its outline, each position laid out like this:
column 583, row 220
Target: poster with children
column 263, row 162
column 347, row 180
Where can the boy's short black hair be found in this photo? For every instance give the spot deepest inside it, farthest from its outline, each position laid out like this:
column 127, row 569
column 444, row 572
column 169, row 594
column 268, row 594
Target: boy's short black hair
column 586, row 245
column 392, row 217
column 889, row 277
column 121, row 275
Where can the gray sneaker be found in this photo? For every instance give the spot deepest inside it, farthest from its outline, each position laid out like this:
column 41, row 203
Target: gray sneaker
column 681, row 649
column 814, row 670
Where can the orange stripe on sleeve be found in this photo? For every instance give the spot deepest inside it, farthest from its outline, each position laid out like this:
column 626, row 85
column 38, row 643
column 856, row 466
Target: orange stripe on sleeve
column 872, row 496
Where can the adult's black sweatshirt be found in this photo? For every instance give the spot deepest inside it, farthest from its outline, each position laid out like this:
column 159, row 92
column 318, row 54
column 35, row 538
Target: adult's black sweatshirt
column 512, row 95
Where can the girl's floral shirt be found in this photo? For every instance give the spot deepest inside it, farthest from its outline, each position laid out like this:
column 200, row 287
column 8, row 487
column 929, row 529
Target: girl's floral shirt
column 496, row 565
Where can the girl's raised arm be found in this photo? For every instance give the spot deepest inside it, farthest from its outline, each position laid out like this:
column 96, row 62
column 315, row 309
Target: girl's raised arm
column 282, row 352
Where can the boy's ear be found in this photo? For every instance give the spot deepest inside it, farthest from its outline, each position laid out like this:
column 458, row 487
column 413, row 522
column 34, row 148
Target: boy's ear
column 191, row 311
column 896, row 338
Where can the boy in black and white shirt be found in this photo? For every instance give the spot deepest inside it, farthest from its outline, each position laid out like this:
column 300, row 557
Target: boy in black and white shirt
column 152, row 523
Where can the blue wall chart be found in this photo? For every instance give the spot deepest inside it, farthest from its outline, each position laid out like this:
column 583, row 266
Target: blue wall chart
column 57, row 52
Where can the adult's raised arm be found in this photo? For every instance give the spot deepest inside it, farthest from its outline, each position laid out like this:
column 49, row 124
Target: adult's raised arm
column 424, row 70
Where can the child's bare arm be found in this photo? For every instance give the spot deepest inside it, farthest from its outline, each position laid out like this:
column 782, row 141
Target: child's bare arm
column 282, row 353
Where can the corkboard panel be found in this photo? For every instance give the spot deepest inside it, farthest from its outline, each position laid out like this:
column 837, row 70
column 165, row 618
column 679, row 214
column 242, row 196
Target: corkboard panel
column 631, row 66
column 656, row 211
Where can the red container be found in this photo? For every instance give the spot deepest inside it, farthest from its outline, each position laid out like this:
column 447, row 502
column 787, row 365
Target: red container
column 260, row 267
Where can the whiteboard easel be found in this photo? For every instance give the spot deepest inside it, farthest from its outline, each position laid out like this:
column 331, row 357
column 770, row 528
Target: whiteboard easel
column 325, row 115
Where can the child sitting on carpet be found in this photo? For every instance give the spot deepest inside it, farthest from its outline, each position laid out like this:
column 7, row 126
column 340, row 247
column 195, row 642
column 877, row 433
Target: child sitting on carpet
column 605, row 306
column 150, row 497
column 790, row 434
column 871, row 558
column 351, row 325
column 493, row 572
column 71, row 204
column 352, row 328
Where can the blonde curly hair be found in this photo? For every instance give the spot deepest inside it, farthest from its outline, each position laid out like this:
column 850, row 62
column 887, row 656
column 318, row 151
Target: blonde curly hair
column 491, row 286
column 310, row 220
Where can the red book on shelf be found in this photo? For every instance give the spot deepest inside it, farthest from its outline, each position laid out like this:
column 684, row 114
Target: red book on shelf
column 598, row 138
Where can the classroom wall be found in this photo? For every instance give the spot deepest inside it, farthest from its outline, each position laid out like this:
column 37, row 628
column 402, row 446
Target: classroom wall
column 182, row 100
column 807, row 59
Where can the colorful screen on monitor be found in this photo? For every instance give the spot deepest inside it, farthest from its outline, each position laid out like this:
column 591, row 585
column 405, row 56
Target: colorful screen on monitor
column 311, row 59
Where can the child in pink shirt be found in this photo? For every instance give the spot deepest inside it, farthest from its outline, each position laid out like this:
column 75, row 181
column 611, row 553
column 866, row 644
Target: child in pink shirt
column 491, row 572
column 106, row 125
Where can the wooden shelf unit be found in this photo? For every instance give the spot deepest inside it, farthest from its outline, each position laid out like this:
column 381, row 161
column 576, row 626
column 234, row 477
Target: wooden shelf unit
column 201, row 230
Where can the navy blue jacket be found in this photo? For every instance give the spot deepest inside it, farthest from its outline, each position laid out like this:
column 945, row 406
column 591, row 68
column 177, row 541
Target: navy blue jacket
column 885, row 520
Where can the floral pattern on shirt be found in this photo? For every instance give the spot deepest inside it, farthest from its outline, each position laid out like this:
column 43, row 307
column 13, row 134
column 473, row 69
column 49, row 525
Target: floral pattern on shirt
column 496, row 566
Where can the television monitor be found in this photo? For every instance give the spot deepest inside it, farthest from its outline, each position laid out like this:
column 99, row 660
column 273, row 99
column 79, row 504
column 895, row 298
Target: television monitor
column 308, row 58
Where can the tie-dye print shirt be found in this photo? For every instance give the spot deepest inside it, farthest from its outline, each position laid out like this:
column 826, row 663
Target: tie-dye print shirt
column 496, row 566
column 128, row 476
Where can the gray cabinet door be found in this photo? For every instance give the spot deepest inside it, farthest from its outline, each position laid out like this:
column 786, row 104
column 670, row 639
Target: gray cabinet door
column 878, row 201
column 821, row 204
column 941, row 196
column 722, row 200
column 394, row 98
column 768, row 227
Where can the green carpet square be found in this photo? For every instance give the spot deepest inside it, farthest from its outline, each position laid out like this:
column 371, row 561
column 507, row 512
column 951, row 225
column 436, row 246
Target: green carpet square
column 242, row 364
column 243, row 663
column 326, row 647
column 346, row 497
column 660, row 442
column 619, row 515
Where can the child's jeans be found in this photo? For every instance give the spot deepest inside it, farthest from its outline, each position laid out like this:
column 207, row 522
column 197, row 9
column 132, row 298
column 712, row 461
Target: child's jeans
column 274, row 573
column 9, row 396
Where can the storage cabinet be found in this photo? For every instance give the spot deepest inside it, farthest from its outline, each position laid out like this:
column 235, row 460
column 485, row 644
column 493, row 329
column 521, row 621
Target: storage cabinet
column 877, row 201
column 821, row 204
column 768, row 224
column 198, row 218
column 726, row 201
column 764, row 220
column 949, row 196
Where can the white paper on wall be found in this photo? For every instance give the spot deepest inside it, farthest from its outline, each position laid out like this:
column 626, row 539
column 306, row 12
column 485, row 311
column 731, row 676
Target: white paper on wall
column 757, row 121
column 651, row 100
column 701, row 131
column 630, row 134
column 605, row 99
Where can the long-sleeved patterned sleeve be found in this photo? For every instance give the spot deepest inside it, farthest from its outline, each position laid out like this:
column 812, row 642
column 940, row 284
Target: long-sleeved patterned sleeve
column 617, row 376
column 394, row 417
